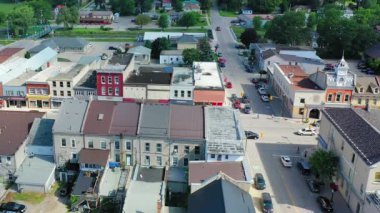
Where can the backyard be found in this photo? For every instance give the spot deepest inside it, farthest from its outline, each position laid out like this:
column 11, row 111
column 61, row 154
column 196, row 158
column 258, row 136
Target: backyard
column 226, row 13
column 239, row 30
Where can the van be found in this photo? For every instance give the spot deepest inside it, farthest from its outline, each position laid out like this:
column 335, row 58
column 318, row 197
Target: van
column 304, row 167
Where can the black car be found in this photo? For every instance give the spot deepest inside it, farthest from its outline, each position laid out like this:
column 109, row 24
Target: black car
column 313, row 186
column 12, row 206
column 267, row 202
column 112, row 48
column 251, row 135
column 325, row 204
column 259, row 181
column 245, row 99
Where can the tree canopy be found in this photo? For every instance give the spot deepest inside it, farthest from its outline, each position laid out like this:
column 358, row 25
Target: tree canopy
column 205, row 4
column 189, row 19
column 264, row 6
column 177, row 5
column 68, row 16
column 158, row 45
column 142, row 20
column 249, row 36
column 124, row 7
column 206, row 53
column 288, row 29
column 41, row 6
column 191, row 55
column 21, row 18
column 324, row 164
column 163, row 21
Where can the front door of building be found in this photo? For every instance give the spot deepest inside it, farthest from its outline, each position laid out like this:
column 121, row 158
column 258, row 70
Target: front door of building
column 128, row 160
column 39, row 104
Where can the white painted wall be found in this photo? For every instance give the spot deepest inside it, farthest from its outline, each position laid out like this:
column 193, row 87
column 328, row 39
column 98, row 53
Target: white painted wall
column 171, row 59
column 230, row 158
column 158, row 92
column 179, row 89
column 134, row 92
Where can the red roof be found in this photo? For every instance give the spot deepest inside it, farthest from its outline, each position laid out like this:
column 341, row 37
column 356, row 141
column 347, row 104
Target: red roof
column 209, row 96
column 94, row 156
column 201, row 171
column 186, row 122
column 6, row 53
column 298, row 77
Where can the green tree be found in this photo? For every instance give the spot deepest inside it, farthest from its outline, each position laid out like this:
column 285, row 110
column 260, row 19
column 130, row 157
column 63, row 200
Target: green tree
column 191, row 55
column 158, row 45
column 148, row 44
column 205, row 4
column 142, row 20
column 285, row 6
column 146, row 5
column 288, row 29
column 27, row 55
column 177, row 5
column 163, row 21
column 21, row 18
column 233, row 5
column 249, row 36
column 189, row 19
column 3, row 17
column 264, row 6
column 126, row 7
column 324, row 164
column 369, row 3
column 205, row 50
column 41, row 6
column 68, row 16
column 312, row 21
column 257, row 22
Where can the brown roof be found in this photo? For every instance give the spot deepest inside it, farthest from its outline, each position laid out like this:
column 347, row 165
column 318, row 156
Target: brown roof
column 200, row 171
column 298, row 77
column 125, row 119
column 7, row 53
column 186, row 122
column 94, row 156
column 98, row 118
column 14, row 129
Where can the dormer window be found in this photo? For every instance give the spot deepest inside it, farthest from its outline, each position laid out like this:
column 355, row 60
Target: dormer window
column 376, row 90
column 361, row 90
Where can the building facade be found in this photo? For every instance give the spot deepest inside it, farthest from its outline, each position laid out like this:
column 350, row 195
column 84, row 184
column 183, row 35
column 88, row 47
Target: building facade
column 110, row 84
column 366, row 94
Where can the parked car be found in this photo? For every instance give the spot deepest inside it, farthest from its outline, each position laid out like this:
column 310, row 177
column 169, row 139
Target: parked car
column 251, row 135
column 12, row 207
column 255, row 81
column 262, row 91
column 304, row 167
column 370, row 71
column 259, row 181
column 306, row 131
column 264, row 98
column 220, row 54
column 229, row 85
column 313, row 186
column 236, row 104
column 266, row 202
column 325, row 204
column 218, row 28
column 245, row 99
column 112, row 48
column 239, row 46
column 285, row 160
column 247, row 109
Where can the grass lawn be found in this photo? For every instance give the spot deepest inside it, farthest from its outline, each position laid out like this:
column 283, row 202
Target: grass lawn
column 227, row 13
column 6, row 41
column 6, row 7
column 29, row 197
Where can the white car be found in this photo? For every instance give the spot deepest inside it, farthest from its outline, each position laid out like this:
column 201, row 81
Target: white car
column 264, row 98
column 285, row 160
column 262, row 91
column 306, row 131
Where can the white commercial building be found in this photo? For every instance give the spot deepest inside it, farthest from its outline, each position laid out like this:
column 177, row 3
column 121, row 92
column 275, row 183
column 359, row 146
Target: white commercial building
column 171, row 57
column 182, row 85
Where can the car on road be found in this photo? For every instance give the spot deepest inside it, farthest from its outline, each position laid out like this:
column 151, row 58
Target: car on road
column 325, row 204
column 264, row 98
column 313, row 185
column 218, row 28
column 239, row 46
column 266, row 202
column 236, row 104
column 12, row 207
column 245, row 99
column 285, row 160
column 262, row 91
column 251, row 135
column 247, row 109
column 259, row 181
column 306, row 131
column 220, row 54
column 229, row 85
column 304, row 167
column 112, row 48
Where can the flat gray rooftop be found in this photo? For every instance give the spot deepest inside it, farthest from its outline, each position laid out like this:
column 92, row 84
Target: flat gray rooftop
column 41, row 133
column 182, row 76
column 20, row 80
column 223, row 131
column 154, row 120
column 68, row 76
column 70, row 116
column 35, row 170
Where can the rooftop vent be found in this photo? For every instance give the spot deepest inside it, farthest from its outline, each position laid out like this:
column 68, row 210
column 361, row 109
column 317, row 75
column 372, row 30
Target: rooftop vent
column 290, row 75
column 100, row 117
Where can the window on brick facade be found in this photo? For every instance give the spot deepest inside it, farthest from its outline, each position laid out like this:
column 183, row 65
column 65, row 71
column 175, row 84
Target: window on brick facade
column 110, row 91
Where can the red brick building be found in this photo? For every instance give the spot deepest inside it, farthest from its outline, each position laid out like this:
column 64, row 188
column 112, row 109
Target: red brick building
column 109, row 84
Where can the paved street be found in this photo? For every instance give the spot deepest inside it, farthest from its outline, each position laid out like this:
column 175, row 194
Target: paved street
column 286, row 185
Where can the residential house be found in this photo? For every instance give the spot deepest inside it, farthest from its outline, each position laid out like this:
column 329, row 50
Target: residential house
column 110, row 84
column 167, row 4
column 201, row 171
column 112, row 126
column 220, row 195
column 208, row 84
column 225, row 139
column 262, row 51
column 41, row 138
column 301, row 98
column 171, row 57
column 186, row 133
column 353, row 135
column 141, row 53
column 148, row 83
column 151, row 36
column 182, row 86
column 95, row 17
column 67, row 132
column 246, row 20
column 39, row 93
column 152, row 145
column 63, row 44
column 366, row 94
column 14, row 129
column 187, row 42
column 191, row 6
column 86, row 89
column 338, row 85
column 246, row 11
column 10, row 53
column 61, row 85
